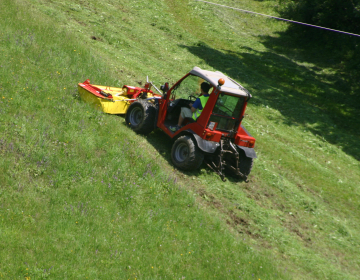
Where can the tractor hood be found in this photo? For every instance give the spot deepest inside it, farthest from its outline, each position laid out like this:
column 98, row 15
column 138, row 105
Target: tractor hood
column 230, row 85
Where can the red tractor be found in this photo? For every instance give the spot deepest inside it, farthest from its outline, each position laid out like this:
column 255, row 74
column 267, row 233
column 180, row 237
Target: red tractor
column 216, row 136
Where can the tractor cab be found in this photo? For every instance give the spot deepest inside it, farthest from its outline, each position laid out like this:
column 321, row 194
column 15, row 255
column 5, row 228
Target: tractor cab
column 222, row 114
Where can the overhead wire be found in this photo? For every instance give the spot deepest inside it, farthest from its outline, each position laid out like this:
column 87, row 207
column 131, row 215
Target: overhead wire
column 283, row 19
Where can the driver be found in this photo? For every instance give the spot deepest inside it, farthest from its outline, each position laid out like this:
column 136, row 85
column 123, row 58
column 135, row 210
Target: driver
column 195, row 108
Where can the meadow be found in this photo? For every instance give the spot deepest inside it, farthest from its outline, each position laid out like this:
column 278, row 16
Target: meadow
column 83, row 196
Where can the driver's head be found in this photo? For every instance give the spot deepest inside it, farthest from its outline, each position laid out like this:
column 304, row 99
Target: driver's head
column 205, row 87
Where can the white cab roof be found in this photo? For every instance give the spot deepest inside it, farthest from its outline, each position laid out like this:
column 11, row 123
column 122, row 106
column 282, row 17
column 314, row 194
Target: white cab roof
column 230, row 85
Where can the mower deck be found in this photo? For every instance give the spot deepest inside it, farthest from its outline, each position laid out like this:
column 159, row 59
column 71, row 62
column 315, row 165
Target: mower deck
column 110, row 100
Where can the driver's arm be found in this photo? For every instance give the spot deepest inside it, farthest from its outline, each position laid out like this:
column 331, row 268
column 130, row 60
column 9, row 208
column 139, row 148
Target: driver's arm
column 195, row 105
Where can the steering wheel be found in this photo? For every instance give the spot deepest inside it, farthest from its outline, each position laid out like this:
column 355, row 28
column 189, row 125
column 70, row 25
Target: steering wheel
column 192, row 97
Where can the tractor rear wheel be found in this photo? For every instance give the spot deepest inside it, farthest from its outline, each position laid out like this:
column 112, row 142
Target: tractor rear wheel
column 185, row 154
column 245, row 163
column 140, row 116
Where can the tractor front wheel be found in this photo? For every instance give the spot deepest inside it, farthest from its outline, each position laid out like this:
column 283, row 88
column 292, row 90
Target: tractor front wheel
column 140, row 116
column 185, row 154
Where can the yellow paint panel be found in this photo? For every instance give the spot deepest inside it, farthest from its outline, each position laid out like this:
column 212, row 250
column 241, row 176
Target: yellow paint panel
column 105, row 105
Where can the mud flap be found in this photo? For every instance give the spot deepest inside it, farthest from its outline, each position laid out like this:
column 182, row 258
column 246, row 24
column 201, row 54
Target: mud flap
column 249, row 152
column 204, row 145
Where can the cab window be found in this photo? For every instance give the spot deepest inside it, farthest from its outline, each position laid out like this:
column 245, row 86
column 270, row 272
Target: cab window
column 226, row 112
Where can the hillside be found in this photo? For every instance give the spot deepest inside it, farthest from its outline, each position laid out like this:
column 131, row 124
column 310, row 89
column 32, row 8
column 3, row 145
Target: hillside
column 83, row 196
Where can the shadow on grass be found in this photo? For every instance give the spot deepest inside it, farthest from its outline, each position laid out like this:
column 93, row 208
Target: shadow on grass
column 305, row 95
column 163, row 144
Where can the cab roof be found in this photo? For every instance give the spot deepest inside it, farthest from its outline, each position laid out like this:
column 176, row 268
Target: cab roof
column 230, row 85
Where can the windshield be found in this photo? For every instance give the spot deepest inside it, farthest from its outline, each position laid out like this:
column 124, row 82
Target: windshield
column 226, row 113
column 189, row 86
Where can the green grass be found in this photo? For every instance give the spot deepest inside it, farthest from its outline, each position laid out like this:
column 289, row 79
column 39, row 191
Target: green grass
column 82, row 196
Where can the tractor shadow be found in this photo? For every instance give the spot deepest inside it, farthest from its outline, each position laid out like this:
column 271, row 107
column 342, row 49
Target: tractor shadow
column 320, row 103
column 163, row 144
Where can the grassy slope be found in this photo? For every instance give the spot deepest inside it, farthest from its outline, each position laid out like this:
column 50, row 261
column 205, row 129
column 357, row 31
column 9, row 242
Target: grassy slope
column 79, row 184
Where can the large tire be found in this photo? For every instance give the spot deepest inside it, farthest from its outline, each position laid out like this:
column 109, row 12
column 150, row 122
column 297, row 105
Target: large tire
column 245, row 163
column 185, row 155
column 141, row 116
